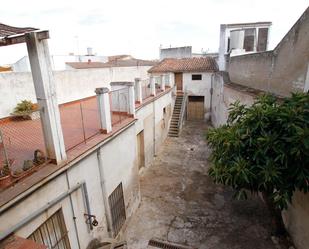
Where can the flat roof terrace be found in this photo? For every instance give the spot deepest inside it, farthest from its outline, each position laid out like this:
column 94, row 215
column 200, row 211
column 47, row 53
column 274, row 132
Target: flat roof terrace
column 23, row 137
column 81, row 132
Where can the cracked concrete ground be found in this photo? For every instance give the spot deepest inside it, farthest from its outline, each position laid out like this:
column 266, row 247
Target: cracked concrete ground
column 181, row 204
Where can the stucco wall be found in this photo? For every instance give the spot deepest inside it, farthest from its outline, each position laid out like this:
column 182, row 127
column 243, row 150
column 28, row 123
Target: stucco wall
column 117, row 167
column 70, row 84
column 154, row 123
column 296, row 219
column 223, row 96
column 280, row 71
column 86, row 170
column 198, row 87
column 297, row 216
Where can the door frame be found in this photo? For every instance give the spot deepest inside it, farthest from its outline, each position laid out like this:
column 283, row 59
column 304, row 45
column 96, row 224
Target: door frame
column 180, row 75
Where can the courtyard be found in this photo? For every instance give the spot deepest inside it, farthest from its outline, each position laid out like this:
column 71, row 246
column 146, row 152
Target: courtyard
column 181, row 204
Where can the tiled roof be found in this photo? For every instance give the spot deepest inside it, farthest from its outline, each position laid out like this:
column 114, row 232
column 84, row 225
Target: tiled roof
column 117, row 63
column 119, row 57
column 203, row 64
column 6, row 30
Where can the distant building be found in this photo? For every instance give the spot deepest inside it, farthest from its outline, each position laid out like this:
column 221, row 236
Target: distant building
column 192, row 77
column 176, row 52
column 59, row 61
column 241, row 38
column 127, row 62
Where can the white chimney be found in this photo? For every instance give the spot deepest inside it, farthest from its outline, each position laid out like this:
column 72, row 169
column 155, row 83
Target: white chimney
column 89, row 51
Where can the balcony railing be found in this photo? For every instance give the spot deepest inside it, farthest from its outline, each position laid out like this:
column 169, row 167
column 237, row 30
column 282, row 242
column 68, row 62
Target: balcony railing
column 119, row 104
column 79, row 121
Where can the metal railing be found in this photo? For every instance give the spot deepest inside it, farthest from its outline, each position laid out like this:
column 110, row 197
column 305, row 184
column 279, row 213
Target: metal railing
column 22, row 146
column 182, row 111
column 79, row 121
column 119, row 104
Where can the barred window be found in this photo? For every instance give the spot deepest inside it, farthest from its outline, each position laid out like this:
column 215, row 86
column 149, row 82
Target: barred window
column 52, row 233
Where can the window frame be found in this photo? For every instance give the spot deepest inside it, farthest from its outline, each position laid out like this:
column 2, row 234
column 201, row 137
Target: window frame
column 199, row 77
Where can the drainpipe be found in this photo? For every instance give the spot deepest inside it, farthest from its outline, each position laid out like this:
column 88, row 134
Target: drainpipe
column 72, row 209
column 104, row 194
column 211, row 93
column 154, row 128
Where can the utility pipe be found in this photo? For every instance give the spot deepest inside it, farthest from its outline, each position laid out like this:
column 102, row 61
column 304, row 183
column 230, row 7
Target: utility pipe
column 38, row 212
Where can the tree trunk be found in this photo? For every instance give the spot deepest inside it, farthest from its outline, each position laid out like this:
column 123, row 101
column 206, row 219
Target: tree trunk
column 276, row 218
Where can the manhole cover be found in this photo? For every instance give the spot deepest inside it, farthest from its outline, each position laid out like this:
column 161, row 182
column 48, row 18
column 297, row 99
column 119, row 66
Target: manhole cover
column 154, row 243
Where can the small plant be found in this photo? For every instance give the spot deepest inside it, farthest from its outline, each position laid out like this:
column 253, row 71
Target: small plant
column 25, row 107
column 5, row 171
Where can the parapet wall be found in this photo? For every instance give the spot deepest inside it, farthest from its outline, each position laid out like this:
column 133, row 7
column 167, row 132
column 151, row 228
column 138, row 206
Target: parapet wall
column 280, row 71
column 70, row 84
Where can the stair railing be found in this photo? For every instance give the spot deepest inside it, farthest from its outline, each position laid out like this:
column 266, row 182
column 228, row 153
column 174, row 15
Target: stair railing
column 182, row 111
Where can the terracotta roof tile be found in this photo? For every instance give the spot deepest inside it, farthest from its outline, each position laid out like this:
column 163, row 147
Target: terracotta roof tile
column 201, row 64
column 117, row 63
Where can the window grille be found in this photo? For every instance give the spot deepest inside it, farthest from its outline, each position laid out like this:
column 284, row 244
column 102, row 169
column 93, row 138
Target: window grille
column 52, row 233
column 117, row 206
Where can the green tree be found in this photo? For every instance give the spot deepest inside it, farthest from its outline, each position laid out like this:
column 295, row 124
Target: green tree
column 264, row 148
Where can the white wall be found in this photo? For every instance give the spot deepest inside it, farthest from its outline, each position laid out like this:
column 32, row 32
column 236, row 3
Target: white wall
column 117, row 167
column 223, row 96
column 70, row 84
column 58, row 62
column 198, row 87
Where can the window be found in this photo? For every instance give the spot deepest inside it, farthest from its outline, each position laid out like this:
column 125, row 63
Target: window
column 249, row 39
column 117, row 206
column 196, row 77
column 52, row 233
column 262, row 39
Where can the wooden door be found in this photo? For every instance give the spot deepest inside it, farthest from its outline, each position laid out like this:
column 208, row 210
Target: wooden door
column 140, row 150
column 195, row 108
column 178, row 81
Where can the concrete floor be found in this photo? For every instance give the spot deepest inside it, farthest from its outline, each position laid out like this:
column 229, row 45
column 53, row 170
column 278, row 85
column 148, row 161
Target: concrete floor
column 181, row 204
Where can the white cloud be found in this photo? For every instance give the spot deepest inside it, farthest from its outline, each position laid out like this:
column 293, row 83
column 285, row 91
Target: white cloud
column 138, row 27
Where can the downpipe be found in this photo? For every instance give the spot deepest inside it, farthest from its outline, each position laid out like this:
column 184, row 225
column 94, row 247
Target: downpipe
column 104, row 194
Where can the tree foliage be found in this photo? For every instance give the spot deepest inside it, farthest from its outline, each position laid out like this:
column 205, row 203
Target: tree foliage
column 264, row 148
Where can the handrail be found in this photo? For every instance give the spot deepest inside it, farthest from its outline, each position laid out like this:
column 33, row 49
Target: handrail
column 182, row 111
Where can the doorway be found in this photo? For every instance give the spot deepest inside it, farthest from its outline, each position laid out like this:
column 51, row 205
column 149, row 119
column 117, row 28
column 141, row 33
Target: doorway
column 195, row 108
column 178, row 81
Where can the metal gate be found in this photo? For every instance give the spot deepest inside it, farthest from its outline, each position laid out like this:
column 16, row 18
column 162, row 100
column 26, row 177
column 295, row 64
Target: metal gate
column 117, row 206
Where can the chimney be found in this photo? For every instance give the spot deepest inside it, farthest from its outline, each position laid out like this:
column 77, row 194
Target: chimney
column 89, row 51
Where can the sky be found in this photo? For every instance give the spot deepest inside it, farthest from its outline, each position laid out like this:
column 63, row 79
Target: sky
column 139, row 27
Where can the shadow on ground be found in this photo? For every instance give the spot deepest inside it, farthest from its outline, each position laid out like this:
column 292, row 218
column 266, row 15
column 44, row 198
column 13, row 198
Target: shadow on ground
column 181, row 204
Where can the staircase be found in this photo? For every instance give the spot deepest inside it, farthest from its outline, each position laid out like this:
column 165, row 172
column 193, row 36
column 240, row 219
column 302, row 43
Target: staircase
column 175, row 122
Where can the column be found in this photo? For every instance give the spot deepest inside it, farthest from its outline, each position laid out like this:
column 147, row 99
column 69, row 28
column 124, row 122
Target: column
column 131, row 98
column 138, row 87
column 104, row 109
column 162, row 85
column 152, row 86
column 45, row 91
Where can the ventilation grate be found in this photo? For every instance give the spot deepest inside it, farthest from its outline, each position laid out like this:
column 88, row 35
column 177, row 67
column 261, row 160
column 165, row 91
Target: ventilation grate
column 166, row 245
